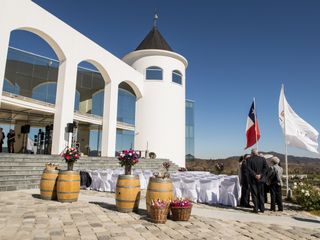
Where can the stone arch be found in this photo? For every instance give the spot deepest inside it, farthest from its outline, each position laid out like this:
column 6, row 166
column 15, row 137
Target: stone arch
column 135, row 88
column 47, row 38
column 101, row 69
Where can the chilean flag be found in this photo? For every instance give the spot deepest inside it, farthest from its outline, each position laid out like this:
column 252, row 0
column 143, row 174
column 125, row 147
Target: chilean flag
column 252, row 129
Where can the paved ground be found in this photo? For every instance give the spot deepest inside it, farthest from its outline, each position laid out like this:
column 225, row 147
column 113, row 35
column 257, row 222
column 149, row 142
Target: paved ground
column 24, row 216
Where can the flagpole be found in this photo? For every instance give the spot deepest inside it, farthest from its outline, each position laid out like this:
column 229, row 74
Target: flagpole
column 285, row 143
column 255, row 124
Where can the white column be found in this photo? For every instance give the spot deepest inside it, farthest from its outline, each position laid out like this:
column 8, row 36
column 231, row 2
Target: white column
column 66, row 87
column 4, row 44
column 109, row 127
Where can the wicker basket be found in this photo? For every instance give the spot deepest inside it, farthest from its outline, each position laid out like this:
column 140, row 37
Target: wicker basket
column 158, row 215
column 180, row 213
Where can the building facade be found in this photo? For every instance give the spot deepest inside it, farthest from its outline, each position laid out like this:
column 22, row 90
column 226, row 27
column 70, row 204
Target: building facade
column 138, row 100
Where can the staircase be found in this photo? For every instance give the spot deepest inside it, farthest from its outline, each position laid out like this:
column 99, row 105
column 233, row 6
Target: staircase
column 23, row 171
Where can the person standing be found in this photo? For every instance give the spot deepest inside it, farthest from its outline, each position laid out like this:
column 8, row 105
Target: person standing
column 275, row 182
column 257, row 168
column 2, row 137
column 244, row 181
column 11, row 140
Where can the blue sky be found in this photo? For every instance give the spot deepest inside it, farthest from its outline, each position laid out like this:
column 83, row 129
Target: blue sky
column 236, row 50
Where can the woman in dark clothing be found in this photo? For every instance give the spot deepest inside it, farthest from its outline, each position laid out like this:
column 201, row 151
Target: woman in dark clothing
column 244, row 181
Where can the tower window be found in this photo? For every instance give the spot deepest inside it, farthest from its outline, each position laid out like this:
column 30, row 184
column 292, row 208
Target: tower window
column 177, row 77
column 154, row 73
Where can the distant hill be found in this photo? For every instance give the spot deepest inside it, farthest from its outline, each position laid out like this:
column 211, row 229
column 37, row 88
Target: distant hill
column 297, row 165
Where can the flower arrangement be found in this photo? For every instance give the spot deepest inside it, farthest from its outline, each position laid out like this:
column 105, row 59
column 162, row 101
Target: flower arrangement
column 128, row 158
column 159, row 203
column 307, row 196
column 181, row 209
column 159, row 211
column 181, row 203
column 166, row 165
column 70, row 155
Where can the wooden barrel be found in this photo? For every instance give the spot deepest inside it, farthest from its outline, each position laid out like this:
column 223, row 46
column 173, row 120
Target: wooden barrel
column 68, row 186
column 128, row 193
column 48, row 184
column 159, row 188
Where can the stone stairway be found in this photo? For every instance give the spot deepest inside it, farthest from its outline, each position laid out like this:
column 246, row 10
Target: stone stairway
column 23, row 171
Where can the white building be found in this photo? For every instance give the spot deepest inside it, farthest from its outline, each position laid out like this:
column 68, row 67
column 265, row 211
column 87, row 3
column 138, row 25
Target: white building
column 153, row 75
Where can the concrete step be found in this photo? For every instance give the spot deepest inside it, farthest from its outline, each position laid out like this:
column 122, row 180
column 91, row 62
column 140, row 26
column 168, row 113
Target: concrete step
column 23, row 171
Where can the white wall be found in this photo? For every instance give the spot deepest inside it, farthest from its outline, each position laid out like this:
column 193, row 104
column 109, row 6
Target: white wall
column 71, row 48
column 160, row 114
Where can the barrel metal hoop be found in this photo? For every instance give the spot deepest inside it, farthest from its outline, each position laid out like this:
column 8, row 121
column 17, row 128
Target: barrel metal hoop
column 121, row 186
column 160, row 190
column 65, row 172
column 67, row 192
column 43, row 190
column 62, row 180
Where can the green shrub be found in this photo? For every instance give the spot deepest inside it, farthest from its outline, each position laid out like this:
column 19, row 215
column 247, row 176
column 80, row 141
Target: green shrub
column 307, row 196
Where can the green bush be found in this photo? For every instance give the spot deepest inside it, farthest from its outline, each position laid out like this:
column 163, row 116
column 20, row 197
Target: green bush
column 307, row 196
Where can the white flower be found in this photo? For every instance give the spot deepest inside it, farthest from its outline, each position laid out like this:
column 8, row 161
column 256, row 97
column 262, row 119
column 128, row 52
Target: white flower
column 307, row 194
column 301, row 183
column 295, row 187
column 302, row 190
column 295, row 184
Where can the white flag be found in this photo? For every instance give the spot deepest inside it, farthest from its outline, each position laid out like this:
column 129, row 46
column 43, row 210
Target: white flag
column 298, row 132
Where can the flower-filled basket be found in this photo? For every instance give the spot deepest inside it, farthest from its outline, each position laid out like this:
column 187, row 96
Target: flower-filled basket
column 127, row 159
column 159, row 211
column 181, row 209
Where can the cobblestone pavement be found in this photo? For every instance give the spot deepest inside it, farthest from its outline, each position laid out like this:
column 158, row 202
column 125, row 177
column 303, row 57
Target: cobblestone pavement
column 23, row 215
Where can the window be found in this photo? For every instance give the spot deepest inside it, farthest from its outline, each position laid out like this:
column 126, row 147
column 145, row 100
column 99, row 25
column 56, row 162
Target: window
column 154, row 73
column 177, row 77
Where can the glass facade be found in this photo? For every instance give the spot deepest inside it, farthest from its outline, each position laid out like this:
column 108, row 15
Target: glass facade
column 125, row 140
column 31, row 75
column 189, row 129
column 126, row 107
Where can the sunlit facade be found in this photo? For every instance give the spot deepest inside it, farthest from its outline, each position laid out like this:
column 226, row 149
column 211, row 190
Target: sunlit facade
column 87, row 97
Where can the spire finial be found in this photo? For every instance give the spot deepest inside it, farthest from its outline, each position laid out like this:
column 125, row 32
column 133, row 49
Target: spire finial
column 155, row 18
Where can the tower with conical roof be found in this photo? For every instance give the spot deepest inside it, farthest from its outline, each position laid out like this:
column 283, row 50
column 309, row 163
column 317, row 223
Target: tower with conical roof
column 160, row 112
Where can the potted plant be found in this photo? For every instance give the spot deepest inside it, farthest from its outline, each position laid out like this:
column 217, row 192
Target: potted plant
column 68, row 184
column 159, row 211
column 71, row 155
column 181, row 209
column 128, row 185
column 128, row 158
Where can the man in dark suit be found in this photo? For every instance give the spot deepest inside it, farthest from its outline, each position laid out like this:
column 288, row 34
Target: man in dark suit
column 257, row 167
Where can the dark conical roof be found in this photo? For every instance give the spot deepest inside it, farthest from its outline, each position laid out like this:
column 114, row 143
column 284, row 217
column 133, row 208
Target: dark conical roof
column 154, row 40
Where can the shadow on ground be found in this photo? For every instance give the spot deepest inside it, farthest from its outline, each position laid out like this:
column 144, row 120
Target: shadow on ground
column 141, row 212
column 306, row 220
column 38, row 196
